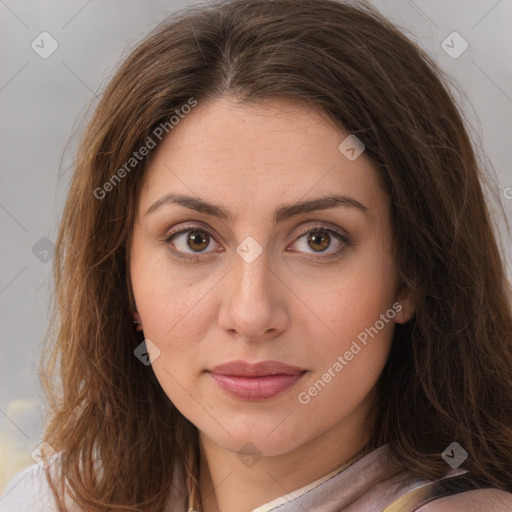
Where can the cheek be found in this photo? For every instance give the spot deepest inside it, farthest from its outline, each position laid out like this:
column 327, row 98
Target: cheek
column 358, row 312
column 176, row 319
column 349, row 363
column 173, row 306
column 353, row 296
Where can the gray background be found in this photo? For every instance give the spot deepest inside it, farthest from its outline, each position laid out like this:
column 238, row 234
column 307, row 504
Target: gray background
column 42, row 104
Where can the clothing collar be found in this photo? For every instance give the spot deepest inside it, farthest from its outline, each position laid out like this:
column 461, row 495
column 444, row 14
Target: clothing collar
column 369, row 484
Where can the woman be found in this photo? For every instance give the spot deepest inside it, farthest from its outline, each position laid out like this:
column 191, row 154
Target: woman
column 284, row 199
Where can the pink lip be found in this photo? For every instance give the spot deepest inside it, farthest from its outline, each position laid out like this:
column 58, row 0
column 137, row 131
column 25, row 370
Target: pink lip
column 258, row 381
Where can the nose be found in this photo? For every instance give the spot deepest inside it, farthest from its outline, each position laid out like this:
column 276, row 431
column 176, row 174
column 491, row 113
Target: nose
column 255, row 304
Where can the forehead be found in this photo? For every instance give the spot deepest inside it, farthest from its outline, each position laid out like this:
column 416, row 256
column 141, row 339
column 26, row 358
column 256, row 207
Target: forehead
column 257, row 154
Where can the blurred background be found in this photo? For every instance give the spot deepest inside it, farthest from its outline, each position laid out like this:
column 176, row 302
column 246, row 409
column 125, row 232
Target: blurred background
column 57, row 57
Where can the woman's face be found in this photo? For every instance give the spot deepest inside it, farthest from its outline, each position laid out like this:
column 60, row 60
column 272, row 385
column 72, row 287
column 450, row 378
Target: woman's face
column 261, row 276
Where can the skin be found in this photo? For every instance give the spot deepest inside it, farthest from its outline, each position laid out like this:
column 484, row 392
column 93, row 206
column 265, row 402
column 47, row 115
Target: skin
column 284, row 306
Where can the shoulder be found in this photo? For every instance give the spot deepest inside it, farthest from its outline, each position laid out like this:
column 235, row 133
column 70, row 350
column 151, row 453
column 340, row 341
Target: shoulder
column 478, row 500
column 28, row 490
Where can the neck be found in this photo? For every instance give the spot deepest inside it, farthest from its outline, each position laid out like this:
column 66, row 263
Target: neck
column 230, row 483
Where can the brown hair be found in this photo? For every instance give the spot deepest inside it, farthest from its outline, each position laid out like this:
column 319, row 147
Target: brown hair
column 449, row 373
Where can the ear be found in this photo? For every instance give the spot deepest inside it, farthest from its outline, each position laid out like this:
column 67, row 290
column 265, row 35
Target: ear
column 137, row 318
column 407, row 300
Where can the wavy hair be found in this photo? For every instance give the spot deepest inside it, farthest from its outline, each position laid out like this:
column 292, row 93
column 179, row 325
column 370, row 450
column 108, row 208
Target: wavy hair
column 121, row 441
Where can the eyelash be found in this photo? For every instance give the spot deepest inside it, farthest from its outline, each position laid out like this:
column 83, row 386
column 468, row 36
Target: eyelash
column 317, row 229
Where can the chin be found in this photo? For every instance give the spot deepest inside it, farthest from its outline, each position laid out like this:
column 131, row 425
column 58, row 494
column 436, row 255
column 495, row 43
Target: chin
column 256, row 441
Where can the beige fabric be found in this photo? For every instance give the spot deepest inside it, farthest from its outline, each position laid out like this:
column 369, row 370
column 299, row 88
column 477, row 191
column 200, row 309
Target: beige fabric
column 368, row 485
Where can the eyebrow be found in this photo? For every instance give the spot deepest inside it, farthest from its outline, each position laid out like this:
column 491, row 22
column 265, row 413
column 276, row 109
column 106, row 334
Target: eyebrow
column 281, row 214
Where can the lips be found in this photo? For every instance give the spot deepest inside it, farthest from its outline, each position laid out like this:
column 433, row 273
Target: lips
column 260, row 381
column 264, row 368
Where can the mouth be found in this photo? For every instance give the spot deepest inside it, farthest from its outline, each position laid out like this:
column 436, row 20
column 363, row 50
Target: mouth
column 260, row 381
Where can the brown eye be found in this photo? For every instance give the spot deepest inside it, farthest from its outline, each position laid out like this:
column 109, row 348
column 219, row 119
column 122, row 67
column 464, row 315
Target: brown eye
column 189, row 242
column 319, row 241
column 197, row 240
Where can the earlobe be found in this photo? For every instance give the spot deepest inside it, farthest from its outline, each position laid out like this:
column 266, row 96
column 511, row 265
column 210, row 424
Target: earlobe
column 137, row 322
column 407, row 301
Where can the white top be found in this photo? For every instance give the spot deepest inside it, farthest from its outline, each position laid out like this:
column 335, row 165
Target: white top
column 29, row 491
